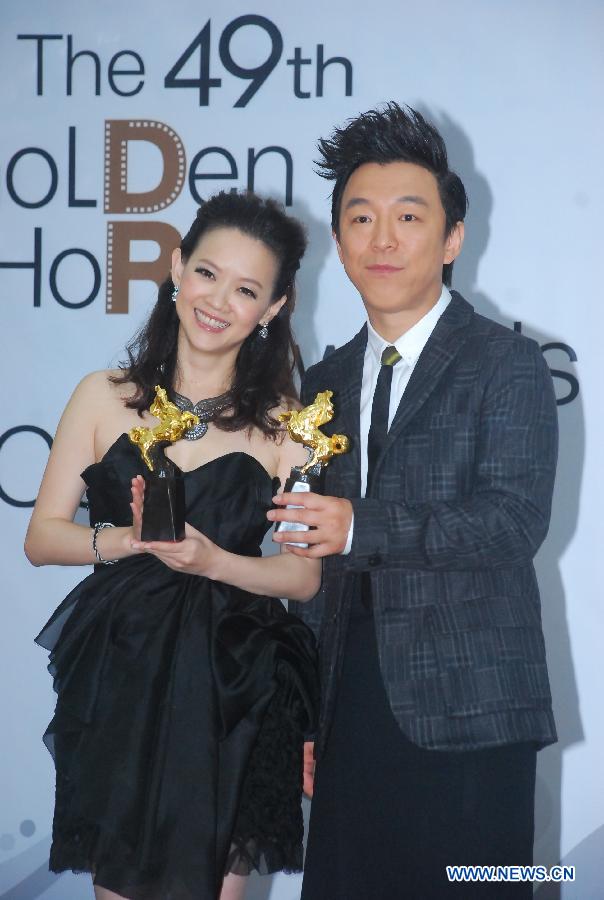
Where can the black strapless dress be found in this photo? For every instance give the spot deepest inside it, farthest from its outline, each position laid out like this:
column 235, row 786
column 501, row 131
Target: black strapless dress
column 182, row 703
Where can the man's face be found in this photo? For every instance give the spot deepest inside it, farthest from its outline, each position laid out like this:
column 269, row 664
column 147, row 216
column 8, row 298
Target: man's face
column 392, row 241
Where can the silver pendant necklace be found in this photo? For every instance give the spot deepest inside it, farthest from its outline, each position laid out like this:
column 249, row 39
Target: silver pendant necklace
column 204, row 409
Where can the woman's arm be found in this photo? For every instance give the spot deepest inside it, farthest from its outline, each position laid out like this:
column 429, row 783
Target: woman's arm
column 276, row 576
column 53, row 536
column 282, row 575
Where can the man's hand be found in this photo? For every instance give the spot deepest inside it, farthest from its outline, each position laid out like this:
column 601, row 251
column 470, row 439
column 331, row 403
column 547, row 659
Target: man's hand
column 308, row 768
column 329, row 518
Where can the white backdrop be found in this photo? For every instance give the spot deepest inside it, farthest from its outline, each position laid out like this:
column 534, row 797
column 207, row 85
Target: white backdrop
column 516, row 89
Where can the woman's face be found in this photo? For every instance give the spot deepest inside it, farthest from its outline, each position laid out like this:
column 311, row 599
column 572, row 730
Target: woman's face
column 225, row 290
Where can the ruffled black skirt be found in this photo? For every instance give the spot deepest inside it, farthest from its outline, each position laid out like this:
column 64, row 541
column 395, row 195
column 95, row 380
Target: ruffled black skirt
column 178, row 731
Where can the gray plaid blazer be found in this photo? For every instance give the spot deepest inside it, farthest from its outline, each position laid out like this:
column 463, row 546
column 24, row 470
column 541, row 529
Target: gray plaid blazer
column 459, row 506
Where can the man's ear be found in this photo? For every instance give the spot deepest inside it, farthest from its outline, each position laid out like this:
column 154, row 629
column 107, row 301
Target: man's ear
column 454, row 243
column 338, row 248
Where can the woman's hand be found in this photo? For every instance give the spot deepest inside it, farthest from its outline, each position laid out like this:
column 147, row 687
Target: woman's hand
column 196, row 555
column 308, row 773
column 193, row 555
column 138, row 497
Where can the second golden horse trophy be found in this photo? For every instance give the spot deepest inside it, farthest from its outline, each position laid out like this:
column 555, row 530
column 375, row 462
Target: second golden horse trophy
column 164, row 504
column 303, row 427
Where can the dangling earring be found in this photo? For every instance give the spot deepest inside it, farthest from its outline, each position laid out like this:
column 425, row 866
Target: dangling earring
column 175, row 292
column 263, row 333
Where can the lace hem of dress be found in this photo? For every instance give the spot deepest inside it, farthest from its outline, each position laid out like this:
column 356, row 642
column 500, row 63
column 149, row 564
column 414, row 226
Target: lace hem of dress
column 245, row 858
column 269, row 829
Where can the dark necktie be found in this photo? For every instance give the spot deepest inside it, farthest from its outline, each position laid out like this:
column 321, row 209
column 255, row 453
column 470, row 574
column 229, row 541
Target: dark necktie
column 378, row 429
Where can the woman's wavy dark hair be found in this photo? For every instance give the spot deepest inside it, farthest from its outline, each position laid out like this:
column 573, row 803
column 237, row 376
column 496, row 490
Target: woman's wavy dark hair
column 264, row 368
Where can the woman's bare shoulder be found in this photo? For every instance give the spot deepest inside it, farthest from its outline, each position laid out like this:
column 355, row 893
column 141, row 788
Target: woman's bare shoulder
column 102, row 386
column 98, row 396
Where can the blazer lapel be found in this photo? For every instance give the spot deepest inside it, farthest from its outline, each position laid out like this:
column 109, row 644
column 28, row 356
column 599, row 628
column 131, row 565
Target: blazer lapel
column 346, row 386
column 441, row 349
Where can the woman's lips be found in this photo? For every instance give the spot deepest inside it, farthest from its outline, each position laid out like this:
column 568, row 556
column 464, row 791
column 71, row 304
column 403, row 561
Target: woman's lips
column 210, row 323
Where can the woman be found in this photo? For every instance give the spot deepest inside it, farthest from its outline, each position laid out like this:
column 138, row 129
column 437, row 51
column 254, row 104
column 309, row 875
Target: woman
column 183, row 687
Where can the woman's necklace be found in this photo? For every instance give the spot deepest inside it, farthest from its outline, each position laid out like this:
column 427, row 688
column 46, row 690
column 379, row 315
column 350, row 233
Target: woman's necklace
column 206, row 410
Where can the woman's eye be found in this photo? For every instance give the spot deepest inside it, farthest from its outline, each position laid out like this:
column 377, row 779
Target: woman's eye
column 408, row 217
column 248, row 292
column 205, row 272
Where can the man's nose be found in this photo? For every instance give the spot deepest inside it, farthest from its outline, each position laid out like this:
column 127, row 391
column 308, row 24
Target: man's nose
column 384, row 235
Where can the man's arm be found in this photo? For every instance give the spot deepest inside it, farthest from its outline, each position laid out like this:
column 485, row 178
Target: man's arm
column 505, row 518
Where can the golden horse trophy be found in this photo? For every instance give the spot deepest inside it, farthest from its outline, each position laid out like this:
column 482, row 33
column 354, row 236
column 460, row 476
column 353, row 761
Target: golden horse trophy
column 164, row 504
column 303, row 426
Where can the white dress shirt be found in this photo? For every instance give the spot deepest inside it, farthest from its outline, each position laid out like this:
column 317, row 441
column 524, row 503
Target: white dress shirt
column 410, row 346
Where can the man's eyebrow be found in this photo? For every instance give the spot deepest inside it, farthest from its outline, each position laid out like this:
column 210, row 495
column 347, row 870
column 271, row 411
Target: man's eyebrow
column 407, row 198
column 356, row 201
column 412, row 198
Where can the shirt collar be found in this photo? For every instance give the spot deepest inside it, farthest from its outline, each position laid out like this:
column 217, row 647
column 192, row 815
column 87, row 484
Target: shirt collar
column 412, row 342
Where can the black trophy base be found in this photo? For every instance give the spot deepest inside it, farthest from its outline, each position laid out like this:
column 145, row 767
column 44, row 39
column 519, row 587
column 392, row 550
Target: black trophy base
column 299, row 483
column 164, row 508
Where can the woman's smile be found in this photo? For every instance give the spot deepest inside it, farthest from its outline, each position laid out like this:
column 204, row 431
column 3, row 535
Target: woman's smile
column 208, row 322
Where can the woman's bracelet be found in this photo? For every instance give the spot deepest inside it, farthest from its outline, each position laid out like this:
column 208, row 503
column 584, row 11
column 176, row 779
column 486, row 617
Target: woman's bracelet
column 97, row 528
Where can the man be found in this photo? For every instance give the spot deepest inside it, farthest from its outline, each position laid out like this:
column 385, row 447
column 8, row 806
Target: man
column 435, row 694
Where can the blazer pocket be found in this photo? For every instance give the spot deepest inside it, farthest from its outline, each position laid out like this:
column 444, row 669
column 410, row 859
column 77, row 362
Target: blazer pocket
column 491, row 670
column 479, row 612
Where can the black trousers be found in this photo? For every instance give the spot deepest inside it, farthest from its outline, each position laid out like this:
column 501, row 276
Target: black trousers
column 388, row 816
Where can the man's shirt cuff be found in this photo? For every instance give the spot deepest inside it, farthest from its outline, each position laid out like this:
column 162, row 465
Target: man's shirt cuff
column 348, row 546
